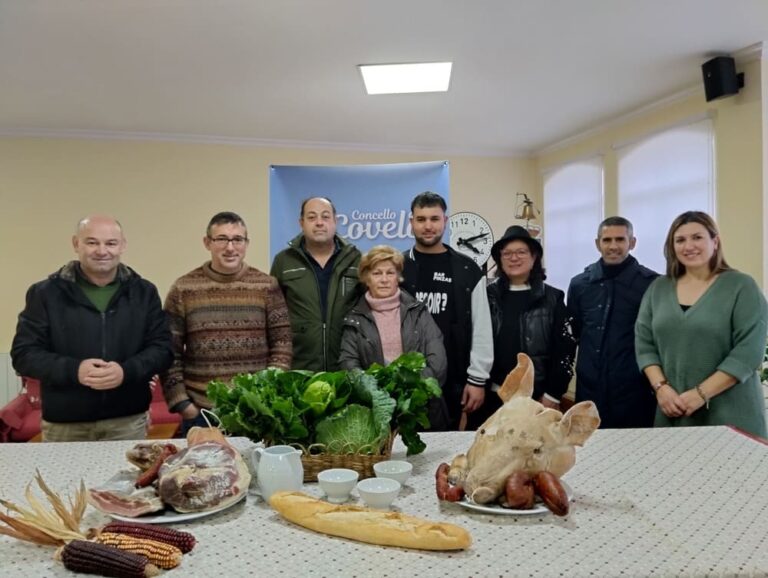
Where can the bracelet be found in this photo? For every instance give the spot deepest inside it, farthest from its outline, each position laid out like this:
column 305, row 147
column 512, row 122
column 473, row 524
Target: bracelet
column 704, row 397
column 658, row 385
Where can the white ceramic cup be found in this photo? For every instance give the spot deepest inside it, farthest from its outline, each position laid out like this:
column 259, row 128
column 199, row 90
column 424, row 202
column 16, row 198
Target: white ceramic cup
column 337, row 483
column 378, row 492
column 399, row 470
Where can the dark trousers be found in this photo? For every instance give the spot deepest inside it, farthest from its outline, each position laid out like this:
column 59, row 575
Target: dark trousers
column 478, row 417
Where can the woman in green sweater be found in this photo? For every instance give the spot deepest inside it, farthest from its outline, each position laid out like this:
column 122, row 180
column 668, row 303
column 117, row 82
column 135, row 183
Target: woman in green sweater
column 701, row 332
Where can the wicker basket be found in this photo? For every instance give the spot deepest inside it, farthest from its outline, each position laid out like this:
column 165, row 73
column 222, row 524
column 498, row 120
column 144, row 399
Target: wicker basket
column 315, row 461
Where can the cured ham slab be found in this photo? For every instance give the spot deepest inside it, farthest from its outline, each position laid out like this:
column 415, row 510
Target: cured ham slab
column 203, row 476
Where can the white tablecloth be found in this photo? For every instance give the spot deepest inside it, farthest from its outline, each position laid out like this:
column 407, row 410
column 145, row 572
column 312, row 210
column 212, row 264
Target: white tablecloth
column 662, row 502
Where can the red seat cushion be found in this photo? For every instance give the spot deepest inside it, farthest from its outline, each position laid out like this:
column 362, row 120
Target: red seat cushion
column 158, row 409
column 19, row 420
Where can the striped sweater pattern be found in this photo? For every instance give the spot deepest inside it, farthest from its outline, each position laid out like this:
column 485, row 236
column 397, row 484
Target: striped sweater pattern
column 223, row 325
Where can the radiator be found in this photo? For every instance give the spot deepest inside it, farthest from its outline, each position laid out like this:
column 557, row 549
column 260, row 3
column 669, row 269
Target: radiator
column 10, row 383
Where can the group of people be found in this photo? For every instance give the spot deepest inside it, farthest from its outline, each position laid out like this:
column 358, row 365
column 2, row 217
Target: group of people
column 677, row 349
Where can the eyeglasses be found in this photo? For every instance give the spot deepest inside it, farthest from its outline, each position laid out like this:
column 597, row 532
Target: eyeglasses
column 519, row 253
column 222, row 241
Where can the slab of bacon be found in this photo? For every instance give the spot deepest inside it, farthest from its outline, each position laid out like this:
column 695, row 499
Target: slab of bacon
column 119, row 495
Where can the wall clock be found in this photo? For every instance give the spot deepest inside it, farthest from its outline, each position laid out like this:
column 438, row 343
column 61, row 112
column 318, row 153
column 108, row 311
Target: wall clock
column 472, row 236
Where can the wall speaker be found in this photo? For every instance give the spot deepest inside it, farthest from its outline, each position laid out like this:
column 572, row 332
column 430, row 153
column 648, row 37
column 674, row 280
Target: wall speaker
column 720, row 78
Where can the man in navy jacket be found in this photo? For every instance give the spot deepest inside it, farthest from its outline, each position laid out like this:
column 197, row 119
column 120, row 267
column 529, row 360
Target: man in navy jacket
column 93, row 333
column 604, row 301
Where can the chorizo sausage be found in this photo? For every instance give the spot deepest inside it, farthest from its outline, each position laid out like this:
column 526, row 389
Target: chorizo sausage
column 518, row 491
column 446, row 491
column 551, row 492
column 150, row 475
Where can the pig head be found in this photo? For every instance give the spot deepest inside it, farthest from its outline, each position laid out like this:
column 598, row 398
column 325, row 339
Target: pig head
column 522, row 435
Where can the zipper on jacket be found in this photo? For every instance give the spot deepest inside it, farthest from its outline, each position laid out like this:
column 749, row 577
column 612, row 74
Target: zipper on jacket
column 104, row 357
column 325, row 347
column 103, row 335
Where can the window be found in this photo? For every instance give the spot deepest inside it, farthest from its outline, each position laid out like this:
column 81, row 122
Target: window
column 573, row 201
column 661, row 177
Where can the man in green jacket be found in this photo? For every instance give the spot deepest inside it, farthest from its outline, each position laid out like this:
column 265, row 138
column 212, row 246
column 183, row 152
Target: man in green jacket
column 318, row 275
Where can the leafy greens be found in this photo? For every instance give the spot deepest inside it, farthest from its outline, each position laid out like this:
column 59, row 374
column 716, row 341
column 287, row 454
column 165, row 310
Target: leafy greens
column 347, row 411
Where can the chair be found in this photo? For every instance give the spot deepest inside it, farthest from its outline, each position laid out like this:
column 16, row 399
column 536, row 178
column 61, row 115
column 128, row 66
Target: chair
column 20, row 419
column 162, row 423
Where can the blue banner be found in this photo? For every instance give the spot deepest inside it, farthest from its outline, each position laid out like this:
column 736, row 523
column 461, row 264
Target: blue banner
column 372, row 201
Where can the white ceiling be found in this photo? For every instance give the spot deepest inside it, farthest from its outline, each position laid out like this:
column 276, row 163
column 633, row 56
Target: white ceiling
column 527, row 73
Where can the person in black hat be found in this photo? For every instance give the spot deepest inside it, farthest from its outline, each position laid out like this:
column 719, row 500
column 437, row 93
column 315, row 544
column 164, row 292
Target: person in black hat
column 528, row 316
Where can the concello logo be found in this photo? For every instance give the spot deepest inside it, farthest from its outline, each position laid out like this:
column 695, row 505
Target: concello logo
column 386, row 224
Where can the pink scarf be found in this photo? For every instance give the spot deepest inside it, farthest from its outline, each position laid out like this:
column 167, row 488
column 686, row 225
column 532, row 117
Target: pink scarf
column 386, row 314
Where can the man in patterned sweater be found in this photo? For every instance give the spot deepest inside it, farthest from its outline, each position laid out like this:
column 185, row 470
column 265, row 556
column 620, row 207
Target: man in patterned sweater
column 226, row 318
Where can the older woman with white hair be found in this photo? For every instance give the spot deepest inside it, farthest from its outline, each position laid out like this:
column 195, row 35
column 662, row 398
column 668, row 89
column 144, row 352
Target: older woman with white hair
column 387, row 322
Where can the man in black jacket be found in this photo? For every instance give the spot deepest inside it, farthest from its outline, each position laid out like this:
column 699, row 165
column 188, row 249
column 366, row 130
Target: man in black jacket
column 452, row 287
column 604, row 301
column 93, row 333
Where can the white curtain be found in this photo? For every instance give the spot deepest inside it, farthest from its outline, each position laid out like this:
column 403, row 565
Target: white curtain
column 662, row 176
column 573, row 205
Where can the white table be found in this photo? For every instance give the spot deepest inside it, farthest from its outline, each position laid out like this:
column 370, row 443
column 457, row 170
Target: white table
column 663, row 502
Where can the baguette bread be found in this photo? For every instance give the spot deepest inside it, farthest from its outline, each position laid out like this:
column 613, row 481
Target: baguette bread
column 380, row 527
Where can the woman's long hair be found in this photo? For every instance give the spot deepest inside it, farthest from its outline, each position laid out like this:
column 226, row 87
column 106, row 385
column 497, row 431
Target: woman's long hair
column 717, row 263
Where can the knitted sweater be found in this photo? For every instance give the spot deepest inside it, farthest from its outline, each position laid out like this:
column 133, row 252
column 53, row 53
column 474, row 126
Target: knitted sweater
column 724, row 330
column 223, row 325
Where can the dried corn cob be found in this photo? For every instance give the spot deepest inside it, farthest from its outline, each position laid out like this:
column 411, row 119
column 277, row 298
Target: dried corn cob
column 95, row 558
column 160, row 554
column 184, row 541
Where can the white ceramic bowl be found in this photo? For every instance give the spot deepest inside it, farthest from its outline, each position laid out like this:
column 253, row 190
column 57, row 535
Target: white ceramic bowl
column 378, row 492
column 398, row 470
column 337, row 483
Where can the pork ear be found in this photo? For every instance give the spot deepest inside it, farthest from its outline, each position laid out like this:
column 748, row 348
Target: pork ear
column 579, row 423
column 519, row 382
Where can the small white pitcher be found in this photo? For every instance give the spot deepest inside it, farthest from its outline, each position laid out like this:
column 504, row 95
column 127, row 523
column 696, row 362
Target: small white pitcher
column 277, row 468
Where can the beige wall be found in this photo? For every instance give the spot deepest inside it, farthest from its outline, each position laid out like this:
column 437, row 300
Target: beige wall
column 740, row 190
column 164, row 193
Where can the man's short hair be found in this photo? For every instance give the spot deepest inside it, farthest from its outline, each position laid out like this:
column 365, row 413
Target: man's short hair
column 428, row 199
column 615, row 222
column 224, row 218
column 305, row 201
column 82, row 223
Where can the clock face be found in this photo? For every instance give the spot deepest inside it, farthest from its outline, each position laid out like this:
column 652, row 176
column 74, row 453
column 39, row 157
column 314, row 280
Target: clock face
column 471, row 235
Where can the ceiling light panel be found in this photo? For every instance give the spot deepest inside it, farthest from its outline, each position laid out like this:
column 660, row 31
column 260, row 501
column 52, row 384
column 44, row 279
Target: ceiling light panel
column 406, row 78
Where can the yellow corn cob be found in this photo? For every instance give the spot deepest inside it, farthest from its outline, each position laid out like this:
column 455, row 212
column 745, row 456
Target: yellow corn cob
column 184, row 541
column 158, row 553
